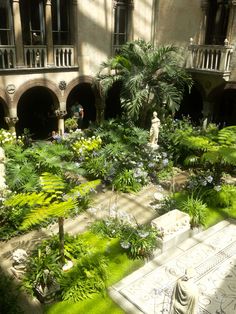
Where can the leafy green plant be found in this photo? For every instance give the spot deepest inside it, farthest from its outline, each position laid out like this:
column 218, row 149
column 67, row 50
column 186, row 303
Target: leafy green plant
column 71, row 124
column 196, row 209
column 87, row 277
column 56, row 200
column 42, row 271
column 85, row 146
column 139, row 241
column 149, row 77
column 126, row 182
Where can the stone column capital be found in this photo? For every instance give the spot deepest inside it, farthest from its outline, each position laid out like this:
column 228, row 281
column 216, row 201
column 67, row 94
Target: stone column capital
column 60, row 113
column 48, row 2
column 11, row 120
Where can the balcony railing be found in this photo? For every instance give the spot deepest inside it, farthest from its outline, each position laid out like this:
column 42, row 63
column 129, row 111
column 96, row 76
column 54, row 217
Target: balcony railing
column 7, row 57
column 211, row 58
column 64, row 56
column 35, row 57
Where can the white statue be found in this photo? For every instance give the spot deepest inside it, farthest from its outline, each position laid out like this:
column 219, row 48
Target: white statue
column 185, row 295
column 154, row 130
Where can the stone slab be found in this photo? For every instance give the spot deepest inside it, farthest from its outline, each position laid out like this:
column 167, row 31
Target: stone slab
column 214, row 260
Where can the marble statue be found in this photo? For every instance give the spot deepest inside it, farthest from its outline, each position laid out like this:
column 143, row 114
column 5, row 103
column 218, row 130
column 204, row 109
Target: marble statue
column 185, row 295
column 154, row 130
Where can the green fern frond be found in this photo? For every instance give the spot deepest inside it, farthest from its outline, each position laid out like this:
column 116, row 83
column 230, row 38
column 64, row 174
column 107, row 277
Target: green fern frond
column 211, row 157
column 228, row 155
column 191, row 160
column 227, row 136
column 38, row 215
column 30, row 199
column 84, row 188
column 51, row 183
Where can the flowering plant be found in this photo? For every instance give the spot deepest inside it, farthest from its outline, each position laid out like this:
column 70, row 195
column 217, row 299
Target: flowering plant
column 84, row 146
column 7, row 137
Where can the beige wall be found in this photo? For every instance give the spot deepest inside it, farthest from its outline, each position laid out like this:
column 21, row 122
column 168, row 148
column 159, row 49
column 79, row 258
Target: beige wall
column 95, row 27
column 177, row 21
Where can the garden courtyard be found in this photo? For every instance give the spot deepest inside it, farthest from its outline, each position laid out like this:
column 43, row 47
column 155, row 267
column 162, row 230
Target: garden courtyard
column 134, row 214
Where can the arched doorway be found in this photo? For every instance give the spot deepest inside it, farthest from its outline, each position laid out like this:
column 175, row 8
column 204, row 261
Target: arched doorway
column 192, row 106
column 113, row 106
column 36, row 113
column 225, row 109
column 82, row 95
column 3, row 124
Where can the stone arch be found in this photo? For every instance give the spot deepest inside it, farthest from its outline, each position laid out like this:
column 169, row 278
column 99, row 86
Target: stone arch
column 82, row 91
column 35, row 104
column 52, row 87
column 223, row 98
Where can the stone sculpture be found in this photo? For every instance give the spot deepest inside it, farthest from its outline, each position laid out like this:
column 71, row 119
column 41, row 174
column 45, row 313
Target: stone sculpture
column 154, row 130
column 185, row 295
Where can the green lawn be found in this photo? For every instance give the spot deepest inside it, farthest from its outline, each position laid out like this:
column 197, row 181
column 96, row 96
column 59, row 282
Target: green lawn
column 119, row 267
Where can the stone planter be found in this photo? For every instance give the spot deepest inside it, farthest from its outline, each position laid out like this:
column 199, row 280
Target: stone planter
column 48, row 294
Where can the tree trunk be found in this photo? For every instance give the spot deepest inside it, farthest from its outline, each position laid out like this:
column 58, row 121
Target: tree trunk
column 61, row 239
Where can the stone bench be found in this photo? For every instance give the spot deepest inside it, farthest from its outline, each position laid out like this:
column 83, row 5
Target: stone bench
column 174, row 227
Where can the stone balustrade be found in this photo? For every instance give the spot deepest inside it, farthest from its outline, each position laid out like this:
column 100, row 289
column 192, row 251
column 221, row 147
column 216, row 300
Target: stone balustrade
column 213, row 58
column 7, row 57
column 63, row 56
column 35, row 56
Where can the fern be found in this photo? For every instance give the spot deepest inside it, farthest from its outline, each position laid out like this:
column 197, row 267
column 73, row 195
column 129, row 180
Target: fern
column 227, row 136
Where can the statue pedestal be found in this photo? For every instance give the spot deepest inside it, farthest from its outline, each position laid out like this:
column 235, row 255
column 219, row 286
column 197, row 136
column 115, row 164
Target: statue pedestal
column 153, row 146
column 174, row 227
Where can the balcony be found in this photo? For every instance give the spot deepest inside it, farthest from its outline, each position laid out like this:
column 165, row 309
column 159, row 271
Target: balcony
column 211, row 59
column 35, row 57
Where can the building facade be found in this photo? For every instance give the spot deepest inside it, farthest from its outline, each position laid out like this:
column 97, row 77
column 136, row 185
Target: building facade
column 51, row 50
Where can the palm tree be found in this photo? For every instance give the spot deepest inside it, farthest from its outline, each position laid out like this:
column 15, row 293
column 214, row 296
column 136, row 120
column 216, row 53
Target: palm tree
column 151, row 77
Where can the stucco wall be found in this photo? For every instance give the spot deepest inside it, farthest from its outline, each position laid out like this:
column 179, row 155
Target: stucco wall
column 177, row 21
column 95, row 26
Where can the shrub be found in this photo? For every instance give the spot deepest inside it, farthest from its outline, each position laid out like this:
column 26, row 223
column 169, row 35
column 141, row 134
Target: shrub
column 87, row 277
column 126, row 182
column 196, row 209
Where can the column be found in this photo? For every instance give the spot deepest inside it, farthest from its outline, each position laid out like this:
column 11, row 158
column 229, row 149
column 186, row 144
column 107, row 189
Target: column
column 231, row 36
column 18, row 33
column 60, row 116
column 49, row 39
column 203, row 26
column 74, row 30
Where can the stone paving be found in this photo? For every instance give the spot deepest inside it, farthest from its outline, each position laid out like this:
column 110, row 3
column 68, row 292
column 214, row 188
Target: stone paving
column 211, row 253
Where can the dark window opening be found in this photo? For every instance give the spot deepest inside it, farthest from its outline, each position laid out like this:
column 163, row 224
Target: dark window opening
column 61, row 22
column 33, row 23
column 6, row 24
column 121, row 20
column 217, row 22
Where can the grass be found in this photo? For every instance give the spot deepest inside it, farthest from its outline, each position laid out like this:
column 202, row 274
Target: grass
column 213, row 214
column 119, row 267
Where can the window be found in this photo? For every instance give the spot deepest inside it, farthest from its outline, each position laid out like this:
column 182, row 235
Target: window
column 61, row 22
column 6, row 29
column 33, row 24
column 121, row 19
column 217, row 22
